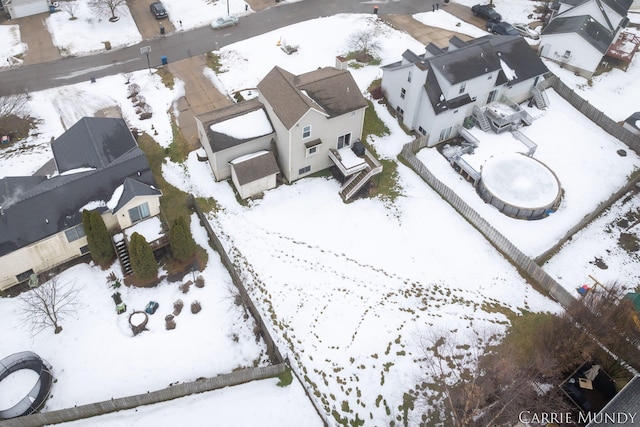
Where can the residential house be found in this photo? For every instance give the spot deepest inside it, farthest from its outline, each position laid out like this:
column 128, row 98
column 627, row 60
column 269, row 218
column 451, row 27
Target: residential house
column 307, row 123
column 20, row 8
column 99, row 166
column 439, row 91
column 582, row 32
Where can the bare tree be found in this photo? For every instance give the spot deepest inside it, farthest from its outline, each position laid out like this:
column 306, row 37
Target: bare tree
column 108, row 7
column 364, row 44
column 71, row 7
column 47, row 305
column 13, row 105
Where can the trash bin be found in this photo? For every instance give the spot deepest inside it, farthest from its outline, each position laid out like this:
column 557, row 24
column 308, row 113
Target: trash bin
column 162, row 30
column 164, row 60
column 52, row 9
column 375, row 10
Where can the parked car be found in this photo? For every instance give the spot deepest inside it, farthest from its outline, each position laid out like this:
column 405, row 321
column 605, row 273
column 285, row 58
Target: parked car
column 503, row 28
column 525, row 31
column 225, row 21
column 151, row 307
column 486, row 11
column 158, row 10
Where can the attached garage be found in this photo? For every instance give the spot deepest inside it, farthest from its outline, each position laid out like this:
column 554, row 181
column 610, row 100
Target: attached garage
column 254, row 173
column 21, row 8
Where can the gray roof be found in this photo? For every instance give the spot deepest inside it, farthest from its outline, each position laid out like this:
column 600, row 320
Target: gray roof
column 220, row 141
column 586, row 27
column 93, row 142
column 133, row 188
column 633, row 119
column 475, row 58
column 465, row 63
column 34, row 208
column 331, row 91
column 619, row 6
column 626, row 401
column 255, row 168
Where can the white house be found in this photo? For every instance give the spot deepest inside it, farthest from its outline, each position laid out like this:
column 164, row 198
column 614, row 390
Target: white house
column 21, row 8
column 582, row 32
column 439, row 91
column 99, row 167
column 308, row 123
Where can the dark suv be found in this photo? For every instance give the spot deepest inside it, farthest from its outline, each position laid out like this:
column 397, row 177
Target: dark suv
column 158, row 10
column 486, row 11
column 501, row 27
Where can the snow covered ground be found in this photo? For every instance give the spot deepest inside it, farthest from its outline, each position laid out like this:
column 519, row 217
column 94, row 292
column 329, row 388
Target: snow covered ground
column 351, row 289
column 12, row 48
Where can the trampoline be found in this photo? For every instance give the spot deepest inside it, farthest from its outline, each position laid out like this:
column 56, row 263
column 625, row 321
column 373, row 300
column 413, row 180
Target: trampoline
column 37, row 396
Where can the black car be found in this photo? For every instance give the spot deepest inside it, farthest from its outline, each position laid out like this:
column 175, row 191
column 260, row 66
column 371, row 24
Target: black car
column 486, row 11
column 502, row 28
column 158, row 10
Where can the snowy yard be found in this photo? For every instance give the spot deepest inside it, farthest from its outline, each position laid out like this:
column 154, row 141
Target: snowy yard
column 351, row 290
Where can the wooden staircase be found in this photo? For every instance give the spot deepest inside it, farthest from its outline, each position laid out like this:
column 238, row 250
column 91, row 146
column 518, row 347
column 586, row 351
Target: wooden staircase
column 358, row 180
column 123, row 254
column 481, row 119
column 540, row 97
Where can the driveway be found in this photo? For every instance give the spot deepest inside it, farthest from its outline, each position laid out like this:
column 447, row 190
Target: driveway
column 148, row 26
column 34, row 33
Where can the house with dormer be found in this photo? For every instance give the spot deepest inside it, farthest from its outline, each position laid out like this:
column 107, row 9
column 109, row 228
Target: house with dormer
column 440, row 91
column 99, row 166
column 583, row 32
column 298, row 124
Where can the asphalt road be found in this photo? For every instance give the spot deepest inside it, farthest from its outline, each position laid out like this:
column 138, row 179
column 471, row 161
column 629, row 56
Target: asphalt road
column 180, row 45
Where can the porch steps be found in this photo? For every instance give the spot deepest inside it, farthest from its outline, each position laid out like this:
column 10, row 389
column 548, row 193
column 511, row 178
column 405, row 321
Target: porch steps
column 358, row 180
column 123, row 256
column 481, row 119
column 540, row 98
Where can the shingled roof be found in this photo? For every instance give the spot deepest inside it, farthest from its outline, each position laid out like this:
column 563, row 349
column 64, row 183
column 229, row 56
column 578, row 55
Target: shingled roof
column 328, row 90
column 585, row 26
column 253, row 167
column 93, row 142
column 34, row 208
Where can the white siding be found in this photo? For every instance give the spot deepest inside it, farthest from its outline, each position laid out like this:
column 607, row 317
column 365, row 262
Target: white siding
column 582, row 58
column 123, row 214
column 255, row 187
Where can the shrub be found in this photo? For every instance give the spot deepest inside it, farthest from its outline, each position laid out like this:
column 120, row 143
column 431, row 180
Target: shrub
column 183, row 246
column 285, row 378
column 98, row 237
column 143, row 263
column 177, row 307
column 200, row 282
column 196, row 307
column 185, row 287
column 169, row 322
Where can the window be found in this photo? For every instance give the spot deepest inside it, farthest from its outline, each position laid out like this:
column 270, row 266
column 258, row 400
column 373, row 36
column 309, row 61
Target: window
column 567, row 53
column 306, row 132
column 409, row 77
column 139, row 212
column 311, row 151
column 24, row 276
column 403, row 92
column 400, row 111
column 84, row 249
column 74, row 233
column 445, row 134
column 489, row 78
column 304, row 170
column 421, row 130
column 463, row 86
column 344, row 141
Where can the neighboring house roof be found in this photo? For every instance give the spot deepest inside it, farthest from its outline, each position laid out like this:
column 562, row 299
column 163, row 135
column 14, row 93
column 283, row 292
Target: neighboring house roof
column 219, row 141
column 254, row 166
column 34, row 208
column 626, row 401
column 93, row 142
column 472, row 59
column 634, row 120
column 133, row 188
column 621, row 7
column 465, row 63
column 328, row 90
column 585, row 26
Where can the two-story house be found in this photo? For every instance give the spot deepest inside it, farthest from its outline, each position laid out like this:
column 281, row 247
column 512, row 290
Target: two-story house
column 308, row 123
column 99, row 167
column 582, row 32
column 439, row 91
